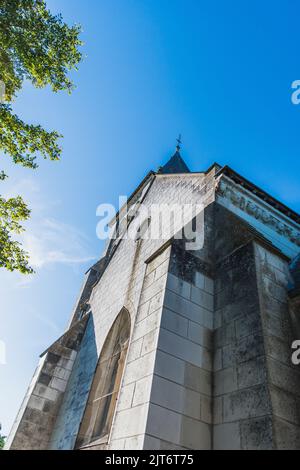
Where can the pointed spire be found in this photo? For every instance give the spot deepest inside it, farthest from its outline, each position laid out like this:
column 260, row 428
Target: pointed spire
column 176, row 164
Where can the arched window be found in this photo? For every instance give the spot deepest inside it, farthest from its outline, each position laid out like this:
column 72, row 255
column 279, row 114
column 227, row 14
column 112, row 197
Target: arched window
column 98, row 415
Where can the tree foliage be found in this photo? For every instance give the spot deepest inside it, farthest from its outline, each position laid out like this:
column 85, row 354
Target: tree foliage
column 38, row 46
column 2, row 440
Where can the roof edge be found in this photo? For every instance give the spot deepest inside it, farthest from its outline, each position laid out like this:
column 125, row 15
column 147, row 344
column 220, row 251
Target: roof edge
column 272, row 201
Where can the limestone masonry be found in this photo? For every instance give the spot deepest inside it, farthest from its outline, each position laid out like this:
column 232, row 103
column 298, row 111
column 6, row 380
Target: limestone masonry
column 171, row 348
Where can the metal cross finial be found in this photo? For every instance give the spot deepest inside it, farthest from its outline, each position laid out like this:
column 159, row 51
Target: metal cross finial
column 178, row 143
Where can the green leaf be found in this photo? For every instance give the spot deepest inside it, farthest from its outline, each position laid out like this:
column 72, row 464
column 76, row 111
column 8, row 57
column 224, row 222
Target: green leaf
column 36, row 46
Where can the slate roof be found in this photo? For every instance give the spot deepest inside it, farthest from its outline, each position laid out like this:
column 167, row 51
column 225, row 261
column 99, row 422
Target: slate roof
column 176, row 164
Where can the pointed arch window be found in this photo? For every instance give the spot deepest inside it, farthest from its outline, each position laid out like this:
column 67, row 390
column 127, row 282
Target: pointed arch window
column 97, row 419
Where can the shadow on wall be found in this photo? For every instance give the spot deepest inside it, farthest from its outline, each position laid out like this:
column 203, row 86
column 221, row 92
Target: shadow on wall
column 74, row 401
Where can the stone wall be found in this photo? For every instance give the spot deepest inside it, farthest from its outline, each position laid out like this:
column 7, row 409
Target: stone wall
column 208, row 360
column 128, row 431
column 279, row 332
column 74, row 401
column 242, row 405
column 125, row 284
column 180, row 402
column 256, row 387
column 165, row 399
column 35, row 421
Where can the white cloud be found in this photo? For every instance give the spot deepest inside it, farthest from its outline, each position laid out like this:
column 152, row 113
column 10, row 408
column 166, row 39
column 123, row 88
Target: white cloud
column 50, row 241
column 47, row 240
column 29, row 190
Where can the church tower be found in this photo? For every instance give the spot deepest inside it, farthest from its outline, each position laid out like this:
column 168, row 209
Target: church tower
column 182, row 340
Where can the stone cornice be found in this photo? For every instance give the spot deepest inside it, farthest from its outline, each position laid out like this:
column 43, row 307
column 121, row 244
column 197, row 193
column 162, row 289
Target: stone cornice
column 260, row 193
column 258, row 209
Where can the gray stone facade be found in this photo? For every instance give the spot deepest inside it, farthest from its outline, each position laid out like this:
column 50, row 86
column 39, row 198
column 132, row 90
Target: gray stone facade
column 209, row 357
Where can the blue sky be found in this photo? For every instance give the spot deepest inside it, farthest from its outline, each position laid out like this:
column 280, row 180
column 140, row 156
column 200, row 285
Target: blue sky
column 218, row 72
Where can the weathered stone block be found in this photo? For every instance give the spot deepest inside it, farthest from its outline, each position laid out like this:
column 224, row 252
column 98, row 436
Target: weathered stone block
column 224, row 335
column 175, row 397
column 247, row 403
column 170, row 367
column 195, row 434
column 184, row 349
column 142, row 391
column 200, row 334
column 284, row 377
column 225, row 381
column 198, row 379
column 226, row 437
column 174, row 322
column 139, row 368
column 130, row 422
column 164, row 424
column 202, row 298
column 179, row 286
column 252, row 372
column 126, row 397
column 257, row 434
column 285, row 405
column 287, row 435
column 249, row 324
